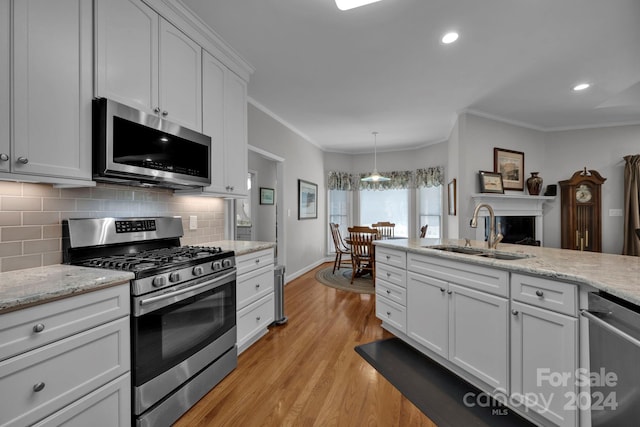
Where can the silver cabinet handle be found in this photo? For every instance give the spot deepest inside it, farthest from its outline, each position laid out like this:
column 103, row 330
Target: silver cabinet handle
column 165, row 113
column 388, row 257
column 38, row 387
column 449, row 292
column 388, row 314
column 388, row 274
column 258, row 318
column 257, row 285
column 23, row 160
column 442, row 289
column 388, row 292
column 156, row 110
column 539, row 293
column 4, row 157
column 514, row 312
column 257, row 261
column 38, row 328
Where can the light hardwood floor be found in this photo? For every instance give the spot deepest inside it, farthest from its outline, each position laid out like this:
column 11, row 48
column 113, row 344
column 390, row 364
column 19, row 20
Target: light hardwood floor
column 307, row 373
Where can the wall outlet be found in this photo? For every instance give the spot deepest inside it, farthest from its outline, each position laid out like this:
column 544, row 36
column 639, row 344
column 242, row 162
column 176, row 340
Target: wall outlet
column 193, row 222
column 615, row 212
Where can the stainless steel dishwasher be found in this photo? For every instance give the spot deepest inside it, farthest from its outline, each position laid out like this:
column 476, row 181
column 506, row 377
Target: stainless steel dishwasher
column 614, row 352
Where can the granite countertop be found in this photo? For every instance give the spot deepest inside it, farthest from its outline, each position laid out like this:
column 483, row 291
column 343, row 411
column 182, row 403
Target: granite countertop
column 32, row 286
column 618, row 275
column 241, row 247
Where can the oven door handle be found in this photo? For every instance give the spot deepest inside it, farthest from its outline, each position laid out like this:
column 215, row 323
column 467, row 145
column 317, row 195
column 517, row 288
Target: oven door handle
column 185, row 290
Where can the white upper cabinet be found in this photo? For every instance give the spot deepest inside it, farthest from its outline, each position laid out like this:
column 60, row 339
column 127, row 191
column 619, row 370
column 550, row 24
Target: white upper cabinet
column 224, row 108
column 5, row 36
column 51, row 58
column 147, row 63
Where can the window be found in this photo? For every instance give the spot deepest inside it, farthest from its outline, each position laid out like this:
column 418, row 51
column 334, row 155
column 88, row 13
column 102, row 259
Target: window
column 430, row 210
column 386, row 205
column 339, row 212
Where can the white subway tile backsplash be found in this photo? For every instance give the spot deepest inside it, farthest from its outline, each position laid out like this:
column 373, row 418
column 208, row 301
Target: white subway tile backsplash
column 31, row 216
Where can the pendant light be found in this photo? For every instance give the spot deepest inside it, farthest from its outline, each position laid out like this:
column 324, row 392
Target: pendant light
column 352, row 4
column 375, row 176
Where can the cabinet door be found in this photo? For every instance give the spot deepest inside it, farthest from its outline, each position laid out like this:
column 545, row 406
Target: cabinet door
column 52, row 82
column 213, row 117
column 236, row 134
column 180, row 77
column 126, row 34
column 479, row 335
column 428, row 312
column 544, row 344
column 5, row 36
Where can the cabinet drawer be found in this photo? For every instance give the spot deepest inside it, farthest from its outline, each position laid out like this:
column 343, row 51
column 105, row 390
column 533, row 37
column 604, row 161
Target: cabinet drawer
column 63, row 371
column 391, row 313
column 472, row 276
column 550, row 294
column 392, row 292
column 255, row 318
column 254, row 285
column 108, row 406
column 388, row 273
column 60, row 319
column 392, row 257
column 254, row 260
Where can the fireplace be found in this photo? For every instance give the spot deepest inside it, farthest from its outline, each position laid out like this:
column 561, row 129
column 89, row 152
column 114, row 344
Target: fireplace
column 520, row 216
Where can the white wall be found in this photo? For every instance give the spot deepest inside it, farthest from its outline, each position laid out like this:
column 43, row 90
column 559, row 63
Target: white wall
column 477, row 137
column 304, row 240
column 601, row 149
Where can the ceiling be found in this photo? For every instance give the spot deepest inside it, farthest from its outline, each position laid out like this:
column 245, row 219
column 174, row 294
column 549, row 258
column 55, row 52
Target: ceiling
column 334, row 77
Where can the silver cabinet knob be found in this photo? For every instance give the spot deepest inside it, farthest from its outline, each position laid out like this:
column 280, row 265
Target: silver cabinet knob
column 388, row 292
column 38, row 387
column 514, row 312
column 257, row 285
column 442, row 290
column 388, row 313
column 156, row 110
column 258, row 318
column 38, row 328
column 449, row 292
column 539, row 293
column 23, row 160
column 165, row 113
column 4, row 157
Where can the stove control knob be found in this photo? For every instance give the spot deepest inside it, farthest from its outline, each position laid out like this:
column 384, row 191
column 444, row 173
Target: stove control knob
column 159, row 281
column 198, row 271
column 174, row 277
column 217, row 265
column 226, row 263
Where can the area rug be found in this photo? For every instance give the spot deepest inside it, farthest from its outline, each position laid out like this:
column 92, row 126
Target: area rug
column 445, row 398
column 341, row 280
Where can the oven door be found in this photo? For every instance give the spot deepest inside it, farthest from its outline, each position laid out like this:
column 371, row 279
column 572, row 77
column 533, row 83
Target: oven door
column 178, row 331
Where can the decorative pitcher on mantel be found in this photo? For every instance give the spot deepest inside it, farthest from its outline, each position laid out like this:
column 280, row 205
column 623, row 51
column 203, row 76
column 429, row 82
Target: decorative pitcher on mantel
column 534, row 184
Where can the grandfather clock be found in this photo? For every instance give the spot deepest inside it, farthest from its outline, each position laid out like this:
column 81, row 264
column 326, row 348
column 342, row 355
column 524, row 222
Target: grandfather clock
column 581, row 211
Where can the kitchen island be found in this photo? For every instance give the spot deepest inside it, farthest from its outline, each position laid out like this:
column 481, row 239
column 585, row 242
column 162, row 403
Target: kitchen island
column 505, row 320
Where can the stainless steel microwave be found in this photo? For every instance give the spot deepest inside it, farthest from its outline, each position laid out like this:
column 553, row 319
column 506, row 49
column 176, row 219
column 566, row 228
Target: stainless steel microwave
column 131, row 147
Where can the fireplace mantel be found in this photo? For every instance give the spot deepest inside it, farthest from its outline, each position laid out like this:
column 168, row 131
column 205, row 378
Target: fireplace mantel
column 512, row 205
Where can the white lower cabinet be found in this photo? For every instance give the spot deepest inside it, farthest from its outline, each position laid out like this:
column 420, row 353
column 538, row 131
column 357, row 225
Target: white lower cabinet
column 513, row 335
column 466, row 326
column 255, row 303
column 77, row 375
column 544, row 351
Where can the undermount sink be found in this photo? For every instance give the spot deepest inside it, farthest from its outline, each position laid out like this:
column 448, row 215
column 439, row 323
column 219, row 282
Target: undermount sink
column 507, row 256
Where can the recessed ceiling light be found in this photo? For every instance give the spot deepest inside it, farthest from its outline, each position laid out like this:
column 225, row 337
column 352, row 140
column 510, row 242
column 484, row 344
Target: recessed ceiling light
column 581, row 86
column 352, row 4
column 449, row 37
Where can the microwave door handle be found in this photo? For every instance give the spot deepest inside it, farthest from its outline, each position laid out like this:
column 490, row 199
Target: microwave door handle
column 184, row 291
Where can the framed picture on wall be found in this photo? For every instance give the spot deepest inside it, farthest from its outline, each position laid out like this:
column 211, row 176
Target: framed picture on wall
column 490, row 182
column 451, row 197
column 307, row 200
column 266, row 196
column 509, row 164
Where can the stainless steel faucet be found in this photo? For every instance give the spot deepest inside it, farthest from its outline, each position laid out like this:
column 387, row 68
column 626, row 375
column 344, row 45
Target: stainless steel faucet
column 494, row 238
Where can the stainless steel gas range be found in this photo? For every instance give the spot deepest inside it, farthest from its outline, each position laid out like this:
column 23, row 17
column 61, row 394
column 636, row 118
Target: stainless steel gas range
column 183, row 308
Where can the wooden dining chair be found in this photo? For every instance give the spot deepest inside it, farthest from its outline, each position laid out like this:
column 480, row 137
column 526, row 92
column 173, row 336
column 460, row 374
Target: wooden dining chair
column 362, row 251
column 423, row 230
column 385, row 229
column 341, row 247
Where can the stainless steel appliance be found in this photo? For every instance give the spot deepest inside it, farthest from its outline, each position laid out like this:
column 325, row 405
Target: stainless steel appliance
column 614, row 353
column 134, row 148
column 183, row 308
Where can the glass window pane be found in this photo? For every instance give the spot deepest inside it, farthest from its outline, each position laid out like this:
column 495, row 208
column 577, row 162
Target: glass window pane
column 430, row 203
column 339, row 208
column 386, row 205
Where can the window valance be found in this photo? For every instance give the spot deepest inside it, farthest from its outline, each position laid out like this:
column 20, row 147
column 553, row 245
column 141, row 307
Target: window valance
column 427, row 177
column 430, row 177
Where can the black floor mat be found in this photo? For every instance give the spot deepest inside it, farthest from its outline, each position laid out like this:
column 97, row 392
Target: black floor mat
column 445, row 398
